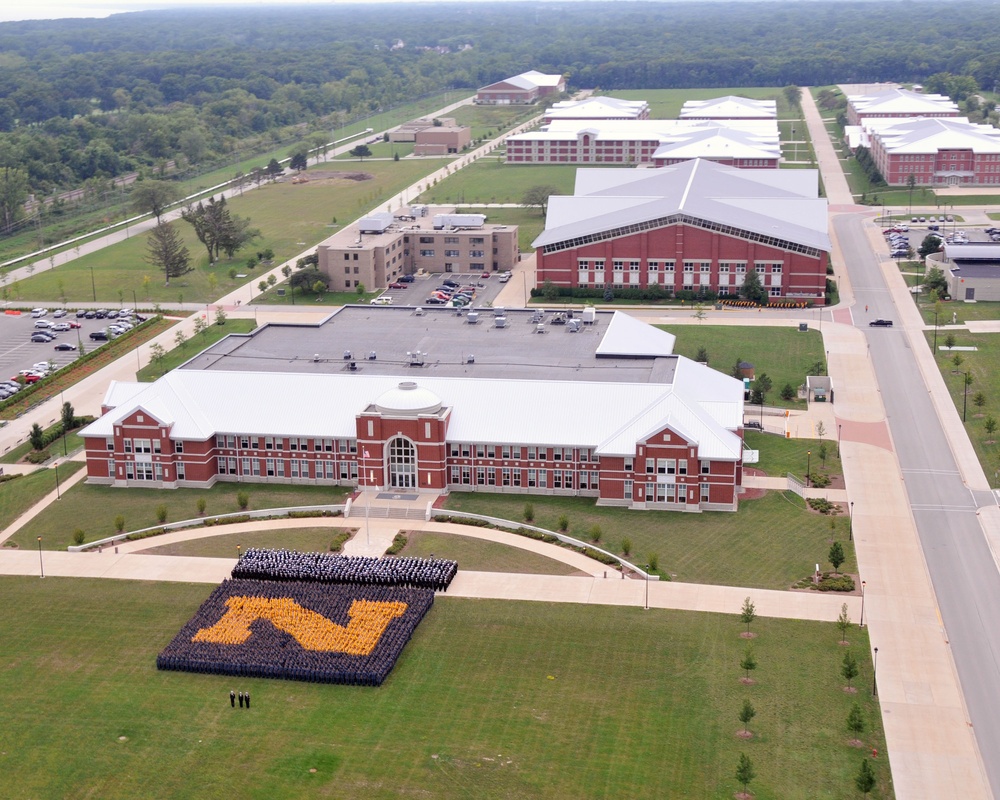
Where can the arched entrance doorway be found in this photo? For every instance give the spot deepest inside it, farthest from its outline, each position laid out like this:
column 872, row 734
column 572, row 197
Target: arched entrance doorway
column 402, row 464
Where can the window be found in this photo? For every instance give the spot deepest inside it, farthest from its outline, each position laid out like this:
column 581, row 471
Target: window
column 480, row 451
column 128, row 445
column 557, row 479
column 532, row 477
column 268, row 443
column 220, row 440
column 628, row 490
column 584, row 454
column 477, row 253
column 426, row 240
column 452, row 254
column 629, row 464
column 270, row 467
column 328, row 470
column 181, row 473
column 342, row 445
column 543, row 478
column 466, row 451
column 505, row 476
column 706, row 466
column 427, row 253
column 466, row 476
column 517, row 451
column 557, row 454
column 505, row 451
column 517, row 477
column 704, row 492
column 156, row 445
column 110, row 444
column 280, row 467
column 454, row 450
column 682, row 467
column 480, row 476
column 244, row 442
column 543, row 453
column 650, row 466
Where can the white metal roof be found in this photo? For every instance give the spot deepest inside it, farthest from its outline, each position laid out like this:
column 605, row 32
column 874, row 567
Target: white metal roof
column 901, row 101
column 597, row 108
column 642, row 130
column 600, row 415
column 630, row 337
column 783, row 204
column 729, row 107
column 932, row 134
column 719, row 143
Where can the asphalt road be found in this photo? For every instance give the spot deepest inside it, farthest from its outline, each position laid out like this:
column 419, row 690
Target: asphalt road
column 961, row 565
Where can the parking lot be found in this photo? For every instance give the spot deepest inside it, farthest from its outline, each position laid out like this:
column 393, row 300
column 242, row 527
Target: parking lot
column 418, row 292
column 18, row 352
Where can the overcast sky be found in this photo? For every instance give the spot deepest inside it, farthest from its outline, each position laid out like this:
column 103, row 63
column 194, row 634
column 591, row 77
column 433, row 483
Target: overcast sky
column 58, row 9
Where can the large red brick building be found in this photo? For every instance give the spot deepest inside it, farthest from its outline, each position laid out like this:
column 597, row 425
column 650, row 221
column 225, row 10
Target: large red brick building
column 665, row 433
column 523, row 89
column 897, row 103
column 697, row 226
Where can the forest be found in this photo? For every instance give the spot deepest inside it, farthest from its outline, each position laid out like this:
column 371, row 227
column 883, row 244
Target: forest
column 86, row 100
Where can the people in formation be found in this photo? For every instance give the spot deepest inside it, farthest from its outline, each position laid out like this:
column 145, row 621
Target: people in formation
column 291, row 565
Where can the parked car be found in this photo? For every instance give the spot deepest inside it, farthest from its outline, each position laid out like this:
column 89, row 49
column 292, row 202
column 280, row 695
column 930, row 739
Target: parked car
column 504, row 278
column 90, row 314
column 39, row 312
column 64, row 346
column 42, row 323
column 99, row 336
column 74, row 324
column 383, row 300
column 81, row 313
column 880, row 323
column 485, row 275
column 398, row 285
column 450, row 282
column 59, row 313
column 435, row 301
column 39, row 338
column 61, row 326
column 406, row 279
column 33, row 377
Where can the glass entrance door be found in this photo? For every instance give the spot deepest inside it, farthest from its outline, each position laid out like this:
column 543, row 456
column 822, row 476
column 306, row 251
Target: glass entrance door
column 402, row 464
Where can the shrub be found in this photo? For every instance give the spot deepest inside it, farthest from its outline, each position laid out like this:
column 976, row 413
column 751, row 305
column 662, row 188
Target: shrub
column 563, row 523
column 202, row 505
column 626, row 546
column 398, row 543
column 820, row 504
column 242, row 500
column 339, row 540
column 819, row 479
column 529, row 512
column 828, row 583
column 37, row 457
column 161, row 513
column 654, row 562
column 120, row 523
column 597, row 555
column 596, row 533
column 79, row 536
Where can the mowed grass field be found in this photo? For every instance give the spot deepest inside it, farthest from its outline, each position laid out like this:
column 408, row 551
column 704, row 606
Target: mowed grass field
column 94, row 508
column 286, row 214
column 490, row 699
column 771, row 543
column 224, row 545
column 20, row 494
column 785, row 354
column 480, row 555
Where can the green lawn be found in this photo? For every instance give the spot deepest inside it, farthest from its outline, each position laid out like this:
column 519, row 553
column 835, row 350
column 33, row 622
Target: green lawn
column 785, row 354
column 491, row 121
column 530, row 222
column 291, row 217
column 94, row 508
column 490, row 699
column 960, row 312
column 480, row 555
column 73, row 442
column 20, row 494
column 981, row 365
column 779, row 456
column 491, row 181
column 194, row 345
column 712, row 547
column 305, row 540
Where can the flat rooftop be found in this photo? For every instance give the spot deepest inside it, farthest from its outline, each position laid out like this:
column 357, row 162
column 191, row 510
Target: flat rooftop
column 615, row 347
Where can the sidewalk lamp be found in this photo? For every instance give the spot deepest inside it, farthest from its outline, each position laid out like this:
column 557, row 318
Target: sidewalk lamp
column 862, row 605
column 850, row 523
column 55, row 469
column 874, row 677
column 839, row 430
column 965, row 393
column 646, row 606
column 41, row 568
column 239, row 552
column 93, row 286
column 936, row 312
column 809, row 454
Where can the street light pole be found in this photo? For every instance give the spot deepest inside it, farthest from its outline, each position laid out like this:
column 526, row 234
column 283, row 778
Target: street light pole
column 862, row 605
column 850, row 525
column 874, row 675
column 646, row 606
column 965, row 393
column 935, row 331
column 809, row 454
column 41, row 568
column 93, row 286
column 55, row 469
column 839, row 430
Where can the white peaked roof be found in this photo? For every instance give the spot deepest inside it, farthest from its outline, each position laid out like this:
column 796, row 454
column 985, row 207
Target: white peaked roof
column 783, row 204
column 901, row 101
column 600, row 415
column 597, row 108
column 929, row 135
column 729, row 107
column 643, row 129
column 626, row 336
column 718, row 143
column 540, row 78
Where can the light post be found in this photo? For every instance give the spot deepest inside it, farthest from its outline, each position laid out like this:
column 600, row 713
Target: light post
column 862, row 605
column 839, row 429
column 874, row 675
column 41, row 568
column 55, row 469
column 850, row 523
column 935, row 331
column 646, row 606
column 135, row 304
column 809, row 454
column 239, row 552
column 93, row 286
column 965, row 393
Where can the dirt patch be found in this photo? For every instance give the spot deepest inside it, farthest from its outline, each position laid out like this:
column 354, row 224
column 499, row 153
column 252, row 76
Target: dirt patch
column 748, row 635
column 850, row 690
column 744, row 734
column 747, row 681
column 753, row 494
column 329, row 175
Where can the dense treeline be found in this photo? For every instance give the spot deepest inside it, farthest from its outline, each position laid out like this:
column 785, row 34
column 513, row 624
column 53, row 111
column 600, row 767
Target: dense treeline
column 90, row 99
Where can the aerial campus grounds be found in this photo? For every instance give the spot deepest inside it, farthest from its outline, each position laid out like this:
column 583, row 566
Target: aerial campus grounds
column 493, row 696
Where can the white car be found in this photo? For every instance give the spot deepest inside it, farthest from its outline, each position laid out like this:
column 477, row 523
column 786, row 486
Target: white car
column 60, row 326
column 384, row 300
column 42, row 323
column 59, row 313
column 39, row 312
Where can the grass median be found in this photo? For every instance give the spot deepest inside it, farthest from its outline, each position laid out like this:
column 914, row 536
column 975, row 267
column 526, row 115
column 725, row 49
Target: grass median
column 20, row 494
column 490, row 699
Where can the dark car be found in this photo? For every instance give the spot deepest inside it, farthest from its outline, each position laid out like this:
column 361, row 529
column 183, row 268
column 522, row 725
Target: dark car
column 40, row 338
column 81, row 313
column 64, row 346
column 880, row 323
column 435, row 301
column 450, row 282
column 91, row 314
column 406, row 279
column 398, row 285
column 101, row 313
column 99, row 336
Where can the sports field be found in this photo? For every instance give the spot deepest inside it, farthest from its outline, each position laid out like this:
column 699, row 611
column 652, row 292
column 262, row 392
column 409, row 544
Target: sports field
column 489, row 700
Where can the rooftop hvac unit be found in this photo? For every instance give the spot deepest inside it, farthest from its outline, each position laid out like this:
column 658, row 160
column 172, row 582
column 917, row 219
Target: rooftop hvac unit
column 499, row 311
column 419, row 312
column 470, row 359
column 371, row 356
column 375, row 223
column 347, row 355
column 416, row 358
column 418, row 211
column 573, row 326
column 473, row 317
column 538, row 316
column 315, row 358
column 500, row 322
column 589, row 315
column 354, row 366
column 540, row 327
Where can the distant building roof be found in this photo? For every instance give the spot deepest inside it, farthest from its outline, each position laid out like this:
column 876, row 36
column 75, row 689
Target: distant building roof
column 901, row 101
column 931, row 134
column 781, row 205
column 635, row 129
column 718, row 143
column 972, row 253
column 729, row 107
column 598, row 108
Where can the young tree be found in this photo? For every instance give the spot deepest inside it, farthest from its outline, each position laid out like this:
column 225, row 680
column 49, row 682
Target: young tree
column 361, row 152
column 166, row 250
column 843, row 622
column 702, row 356
column 180, row 339
column 849, row 668
column 856, row 721
column 990, row 426
column 787, row 392
column 747, row 713
column 979, row 399
column 911, row 182
column 156, row 352
column 220, row 317
column 273, row 169
column 68, row 417
column 748, row 662
column 823, row 452
column 930, row 244
column 748, row 614
column 200, row 326
column 935, row 280
column 300, row 160
column 865, row 779
column 153, row 197
column 836, row 555
column 538, row 196
column 745, row 772
column 752, row 289
column 37, row 437
column 759, row 389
